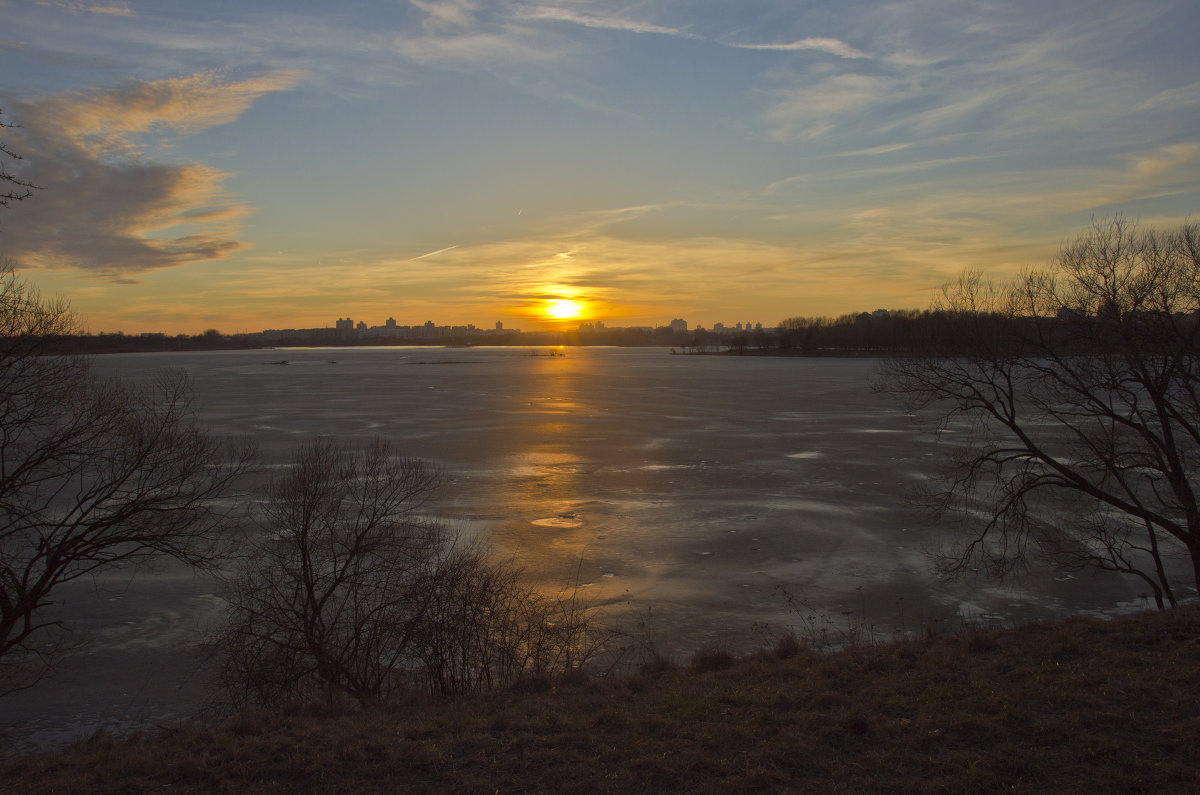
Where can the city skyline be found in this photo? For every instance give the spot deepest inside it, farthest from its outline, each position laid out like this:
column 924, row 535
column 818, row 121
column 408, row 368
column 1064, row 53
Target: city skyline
column 349, row 322
column 359, row 325
column 548, row 164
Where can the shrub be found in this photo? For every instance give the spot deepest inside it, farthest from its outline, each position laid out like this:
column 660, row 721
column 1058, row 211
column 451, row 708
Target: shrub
column 711, row 658
column 350, row 593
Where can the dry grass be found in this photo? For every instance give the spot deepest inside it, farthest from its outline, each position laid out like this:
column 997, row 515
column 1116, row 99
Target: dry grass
column 1085, row 706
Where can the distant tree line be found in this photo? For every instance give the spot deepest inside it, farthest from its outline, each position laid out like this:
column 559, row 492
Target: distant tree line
column 878, row 333
column 118, row 342
column 881, row 331
column 950, row 332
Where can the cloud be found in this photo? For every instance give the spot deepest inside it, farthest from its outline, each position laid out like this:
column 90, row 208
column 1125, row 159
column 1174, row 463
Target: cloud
column 106, row 207
column 817, row 43
column 103, row 121
column 875, row 150
column 1165, row 160
column 610, row 22
column 599, row 22
column 810, row 111
column 508, row 45
column 1174, row 98
column 639, row 280
column 460, row 33
column 979, row 70
column 629, row 278
column 113, row 9
column 447, row 14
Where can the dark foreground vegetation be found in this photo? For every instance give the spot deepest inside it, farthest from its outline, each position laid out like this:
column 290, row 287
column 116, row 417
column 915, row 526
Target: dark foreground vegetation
column 1082, row 706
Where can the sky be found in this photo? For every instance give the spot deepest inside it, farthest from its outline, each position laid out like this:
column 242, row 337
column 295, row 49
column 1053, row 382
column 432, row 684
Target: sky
column 256, row 164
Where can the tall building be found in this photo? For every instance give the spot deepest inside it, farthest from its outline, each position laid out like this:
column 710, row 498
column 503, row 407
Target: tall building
column 679, row 325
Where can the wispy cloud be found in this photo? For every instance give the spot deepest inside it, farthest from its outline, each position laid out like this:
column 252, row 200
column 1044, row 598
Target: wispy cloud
column 824, row 44
column 817, row 43
column 463, row 32
column 113, row 9
column 812, row 110
column 602, row 22
column 641, row 280
column 886, row 149
column 341, row 54
column 1179, row 98
column 1165, row 160
column 109, row 209
column 447, row 14
column 978, row 70
column 511, row 44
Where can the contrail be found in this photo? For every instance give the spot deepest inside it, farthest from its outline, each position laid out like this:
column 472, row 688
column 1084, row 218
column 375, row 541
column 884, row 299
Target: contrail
column 432, row 253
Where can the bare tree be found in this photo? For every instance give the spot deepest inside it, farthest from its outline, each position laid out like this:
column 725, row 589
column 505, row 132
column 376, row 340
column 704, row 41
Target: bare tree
column 1080, row 387
column 333, row 593
column 485, row 629
column 351, row 590
column 93, row 473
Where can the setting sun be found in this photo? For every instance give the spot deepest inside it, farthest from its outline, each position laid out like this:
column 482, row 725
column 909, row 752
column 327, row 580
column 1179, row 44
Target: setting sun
column 563, row 309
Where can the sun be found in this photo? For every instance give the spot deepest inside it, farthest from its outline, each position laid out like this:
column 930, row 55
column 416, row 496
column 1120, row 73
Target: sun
column 563, row 308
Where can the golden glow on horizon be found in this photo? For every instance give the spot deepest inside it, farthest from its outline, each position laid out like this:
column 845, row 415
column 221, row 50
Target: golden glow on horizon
column 563, row 309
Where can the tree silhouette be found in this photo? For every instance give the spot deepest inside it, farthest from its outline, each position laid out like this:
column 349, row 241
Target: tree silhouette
column 93, row 473
column 1079, row 385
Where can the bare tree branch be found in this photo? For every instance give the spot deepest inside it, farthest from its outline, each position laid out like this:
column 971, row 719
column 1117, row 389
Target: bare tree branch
column 1082, row 384
column 92, row 473
column 12, row 187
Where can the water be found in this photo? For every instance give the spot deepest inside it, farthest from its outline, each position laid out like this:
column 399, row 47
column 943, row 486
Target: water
column 690, row 495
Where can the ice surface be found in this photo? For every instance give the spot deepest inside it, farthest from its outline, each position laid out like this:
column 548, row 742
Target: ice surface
column 706, row 488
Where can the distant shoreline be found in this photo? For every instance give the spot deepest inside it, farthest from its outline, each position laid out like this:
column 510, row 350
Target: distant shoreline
column 108, row 344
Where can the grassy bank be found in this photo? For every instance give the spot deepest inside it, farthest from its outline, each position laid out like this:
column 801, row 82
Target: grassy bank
column 1083, row 705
